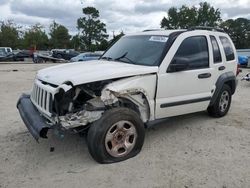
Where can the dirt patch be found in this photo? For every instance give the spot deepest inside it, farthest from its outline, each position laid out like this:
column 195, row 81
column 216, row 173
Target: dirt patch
column 187, row 151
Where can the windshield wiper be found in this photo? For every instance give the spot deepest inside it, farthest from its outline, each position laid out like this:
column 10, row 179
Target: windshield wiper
column 107, row 58
column 124, row 57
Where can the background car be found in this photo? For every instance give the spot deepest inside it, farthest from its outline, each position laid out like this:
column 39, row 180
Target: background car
column 66, row 54
column 87, row 56
column 6, row 54
column 242, row 60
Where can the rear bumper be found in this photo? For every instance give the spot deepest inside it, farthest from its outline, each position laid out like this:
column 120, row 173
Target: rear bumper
column 33, row 120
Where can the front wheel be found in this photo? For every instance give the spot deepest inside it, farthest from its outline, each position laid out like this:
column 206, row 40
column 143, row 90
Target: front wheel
column 222, row 103
column 118, row 135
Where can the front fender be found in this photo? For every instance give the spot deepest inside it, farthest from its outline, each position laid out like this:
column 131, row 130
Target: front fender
column 132, row 87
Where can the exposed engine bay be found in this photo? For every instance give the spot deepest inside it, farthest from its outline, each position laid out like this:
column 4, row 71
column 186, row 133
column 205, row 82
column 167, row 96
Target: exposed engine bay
column 85, row 104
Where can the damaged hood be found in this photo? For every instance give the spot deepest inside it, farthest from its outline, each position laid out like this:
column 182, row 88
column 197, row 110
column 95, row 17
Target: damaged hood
column 91, row 71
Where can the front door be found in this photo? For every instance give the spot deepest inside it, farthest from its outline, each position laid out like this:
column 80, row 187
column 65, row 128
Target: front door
column 187, row 84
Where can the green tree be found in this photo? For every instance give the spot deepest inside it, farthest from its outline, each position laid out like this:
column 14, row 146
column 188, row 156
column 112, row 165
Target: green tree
column 186, row 17
column 208, row 15
column 59, row 36
column 239, row 31
column 104, row 44
column 116, row 37
column 36, row 37
column 93, row 31
column 75, row 42
column 9, row 34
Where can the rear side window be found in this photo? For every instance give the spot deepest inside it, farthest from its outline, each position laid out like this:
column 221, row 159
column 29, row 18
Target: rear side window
column 216, row 50
column 94, row 55
column 194, row 51
column 227, row 48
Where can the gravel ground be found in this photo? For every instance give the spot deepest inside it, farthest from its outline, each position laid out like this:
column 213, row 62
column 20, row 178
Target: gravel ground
column 188, row 151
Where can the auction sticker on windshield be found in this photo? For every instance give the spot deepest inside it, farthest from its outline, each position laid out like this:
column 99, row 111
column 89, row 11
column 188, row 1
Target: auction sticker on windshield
column 158, row 39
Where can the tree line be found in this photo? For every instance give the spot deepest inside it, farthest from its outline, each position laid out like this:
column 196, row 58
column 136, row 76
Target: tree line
column 14, row 36
column 206, row 15
column 92, row 34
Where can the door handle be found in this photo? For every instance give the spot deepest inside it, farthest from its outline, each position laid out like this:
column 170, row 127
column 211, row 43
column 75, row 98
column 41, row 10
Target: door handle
column 204, row 75
column 221, row 68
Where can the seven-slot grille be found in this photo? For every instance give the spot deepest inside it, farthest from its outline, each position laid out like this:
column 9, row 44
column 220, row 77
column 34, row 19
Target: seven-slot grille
column 42, row 99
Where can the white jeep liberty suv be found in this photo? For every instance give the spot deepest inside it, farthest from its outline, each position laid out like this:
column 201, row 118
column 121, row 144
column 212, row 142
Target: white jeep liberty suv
column 141, row 78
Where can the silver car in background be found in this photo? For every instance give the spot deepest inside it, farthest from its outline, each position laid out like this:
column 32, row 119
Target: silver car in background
column 87, row 56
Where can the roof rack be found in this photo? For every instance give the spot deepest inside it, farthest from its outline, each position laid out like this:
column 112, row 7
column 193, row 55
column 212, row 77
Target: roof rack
column 147, row 30
column 206, row 28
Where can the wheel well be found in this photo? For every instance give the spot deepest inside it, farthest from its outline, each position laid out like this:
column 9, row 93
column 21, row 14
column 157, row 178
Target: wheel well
column 139, row 104
column 226, row 78
column 231, row 84
column 129, row 104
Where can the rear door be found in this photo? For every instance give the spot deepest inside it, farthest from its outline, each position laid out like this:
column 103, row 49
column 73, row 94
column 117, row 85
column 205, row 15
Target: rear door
column 229, row 53
column 223, row 53
column 188, row 90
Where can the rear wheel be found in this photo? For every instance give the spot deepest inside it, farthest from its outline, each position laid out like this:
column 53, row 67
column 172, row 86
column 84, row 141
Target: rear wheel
column 222, row 103
column 118, row 135
column 59, row 56
column 40, row 60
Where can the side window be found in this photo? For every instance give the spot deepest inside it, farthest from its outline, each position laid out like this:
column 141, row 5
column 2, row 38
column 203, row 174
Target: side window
column 227, row 48
column 216, row 50
column 194, row 52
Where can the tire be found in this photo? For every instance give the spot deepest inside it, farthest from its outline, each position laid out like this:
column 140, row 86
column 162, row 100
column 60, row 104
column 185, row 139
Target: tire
column 222, row 103
column 40, row 60
column 59, row 56
column 107, row 136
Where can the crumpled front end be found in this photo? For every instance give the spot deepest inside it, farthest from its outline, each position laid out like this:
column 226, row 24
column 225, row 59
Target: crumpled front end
column 74, row 108
column 64, row 107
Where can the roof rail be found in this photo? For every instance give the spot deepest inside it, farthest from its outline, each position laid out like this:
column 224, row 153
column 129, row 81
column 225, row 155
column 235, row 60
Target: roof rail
column 147, row 30
column 206, row 28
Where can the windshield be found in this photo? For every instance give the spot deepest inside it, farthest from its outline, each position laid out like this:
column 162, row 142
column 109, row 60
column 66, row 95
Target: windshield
column 81, row 55
column 139, row 50
column 2, row 51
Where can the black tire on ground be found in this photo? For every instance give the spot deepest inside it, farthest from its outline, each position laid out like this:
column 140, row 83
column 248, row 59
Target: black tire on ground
column 105, row 136
column 40, row 60
column 59, row 56
column 222, row 103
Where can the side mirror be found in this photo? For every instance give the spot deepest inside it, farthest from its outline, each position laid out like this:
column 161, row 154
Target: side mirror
column 178, row 65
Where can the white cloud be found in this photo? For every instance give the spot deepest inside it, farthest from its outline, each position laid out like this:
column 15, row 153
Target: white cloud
column 128, row 16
